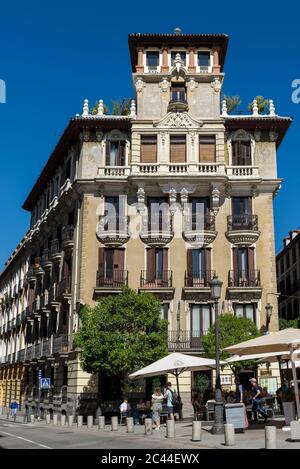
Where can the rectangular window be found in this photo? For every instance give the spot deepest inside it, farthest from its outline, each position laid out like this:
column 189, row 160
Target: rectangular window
column 207, row 149
column 245, row 311
column 178, row 92
column 152, row 59
column 164, row 309
column 244, row 274
column 201, row 320
column 204, row 59
column 241, row 213
column 182, row 56
column 241, row 153
column 148, row 149
column 111, row 267
column 177, row 148
column 115, row 153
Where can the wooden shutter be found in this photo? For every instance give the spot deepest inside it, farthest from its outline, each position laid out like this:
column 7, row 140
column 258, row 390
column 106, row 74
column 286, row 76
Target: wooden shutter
column 101, row 254
column 189, row 261
column 148, row 149
column 207, row 149
column 235, row 153
column 151, row 260
column 177, row 149
column 118, row 259
column 107, row 153
column 121, row 154
column 207, row 260
column 251, row 264
column 245, row 149
column 165, row 259
column 235, row 275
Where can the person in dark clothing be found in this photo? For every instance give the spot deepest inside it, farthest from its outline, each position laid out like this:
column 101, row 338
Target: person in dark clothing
column 256, row 392
column 239, row 391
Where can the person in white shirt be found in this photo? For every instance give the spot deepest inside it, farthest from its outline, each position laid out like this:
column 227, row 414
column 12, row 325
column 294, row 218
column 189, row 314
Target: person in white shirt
column 157, row 401
column 125, row 408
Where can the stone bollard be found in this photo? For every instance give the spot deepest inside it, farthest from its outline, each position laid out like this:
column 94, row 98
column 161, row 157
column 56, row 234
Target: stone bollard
column 196, row 431
column 114, row 424
column 55, row 419
column 270, row 437
column 129, row 425
column 90, row 421
column 229, row 434
column 148, row 426
column 70, row 420
column 32, row 418
column 48, row 419
column 79, row 421
column 62, row 420
column 170, row 428
column 101, row 422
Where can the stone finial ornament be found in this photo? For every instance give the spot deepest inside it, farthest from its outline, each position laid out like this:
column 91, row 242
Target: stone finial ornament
column 224, row 108
column 271, row 108
column 100, row 110
column 132, row 108
column 254, row 108
column 85, row 108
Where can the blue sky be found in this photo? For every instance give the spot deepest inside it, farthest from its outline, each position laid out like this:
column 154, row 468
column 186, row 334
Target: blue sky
column 54, row 55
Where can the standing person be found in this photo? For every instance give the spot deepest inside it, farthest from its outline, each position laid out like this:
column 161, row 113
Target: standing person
column 13, row 409
column 239, row 391
column 256, row 392
column 171, row 396
column 125, row 408
column 157, row 401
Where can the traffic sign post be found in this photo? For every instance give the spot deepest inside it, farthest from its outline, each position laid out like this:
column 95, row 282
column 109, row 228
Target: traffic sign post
column 45, row 383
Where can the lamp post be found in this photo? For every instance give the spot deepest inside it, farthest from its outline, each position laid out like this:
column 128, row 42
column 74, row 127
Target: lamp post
column 218, row 426
column 269, row 309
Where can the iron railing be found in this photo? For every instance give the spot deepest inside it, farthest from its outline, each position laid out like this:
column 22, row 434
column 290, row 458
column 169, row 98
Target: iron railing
column 112, row 278
column 199, row 280
column 199, row 222
column 242, row 222
column 244, row 278
column 156, row 279
column 184, row 339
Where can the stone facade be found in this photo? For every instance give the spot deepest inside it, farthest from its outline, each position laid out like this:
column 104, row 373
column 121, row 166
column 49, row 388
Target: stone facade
column 73, row 255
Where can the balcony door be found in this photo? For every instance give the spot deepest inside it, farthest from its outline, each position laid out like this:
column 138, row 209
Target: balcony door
column 158, row 214
column 157, row 266
column 115, row 153
column 111, row 267
column 114, row 212
column 241, row 153
column 243, row 264
column 241, row 212
column 201, row 320
column 198, row 267
column 199, row 210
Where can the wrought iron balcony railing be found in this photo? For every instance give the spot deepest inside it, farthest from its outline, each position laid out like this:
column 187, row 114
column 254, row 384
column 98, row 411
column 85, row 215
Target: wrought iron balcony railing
column 244, row 278
column 199, row 222
column 198, row 280
column 112, row 278
column 185, row 340
column 242, row 222
column 156, row 279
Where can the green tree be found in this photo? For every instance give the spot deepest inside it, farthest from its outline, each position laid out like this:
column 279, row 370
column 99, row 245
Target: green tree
column 262, row 103
column 121, row 334
column 94, row 109
column 232, row 102
column 286, row 323
column 232, row 330
column 121, row 107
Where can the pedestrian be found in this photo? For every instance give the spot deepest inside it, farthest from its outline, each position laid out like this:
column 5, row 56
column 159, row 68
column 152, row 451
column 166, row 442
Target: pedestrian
column 256, row 392
column 13, row 409
column 172, row 398
column 157, row 401
column 125, row 408
column 239, row 391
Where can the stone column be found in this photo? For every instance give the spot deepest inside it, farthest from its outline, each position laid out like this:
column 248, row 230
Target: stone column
column 165, row 67
column 216, row 65
column 140, row 66
column 191, row 67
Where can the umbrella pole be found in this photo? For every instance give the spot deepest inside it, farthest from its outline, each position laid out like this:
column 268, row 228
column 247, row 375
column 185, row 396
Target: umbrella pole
column 296, row 390
column 178, row 392
column 280, row 370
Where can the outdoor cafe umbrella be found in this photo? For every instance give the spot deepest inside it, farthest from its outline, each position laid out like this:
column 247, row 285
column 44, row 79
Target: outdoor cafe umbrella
column 287, row 339
column 175, row 363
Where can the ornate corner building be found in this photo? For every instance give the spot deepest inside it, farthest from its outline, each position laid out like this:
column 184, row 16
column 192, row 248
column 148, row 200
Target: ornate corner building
column 159, row 199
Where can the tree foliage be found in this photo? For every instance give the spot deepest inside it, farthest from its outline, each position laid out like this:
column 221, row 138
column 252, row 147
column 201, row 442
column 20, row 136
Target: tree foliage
column 262, row 103
column 286, row 323
column 121, row 107
column 232, row 330
column 232, row 102
column 121, row 334
column 94, row 109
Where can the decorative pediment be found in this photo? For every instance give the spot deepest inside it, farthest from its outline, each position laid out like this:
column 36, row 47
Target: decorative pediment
column 178, row 119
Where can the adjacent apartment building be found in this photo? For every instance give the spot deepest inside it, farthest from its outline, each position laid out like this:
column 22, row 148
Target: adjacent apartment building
column 159, row 199
column 288, row 276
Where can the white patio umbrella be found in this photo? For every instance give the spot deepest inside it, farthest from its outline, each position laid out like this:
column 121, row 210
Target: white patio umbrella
column 287, row 339
column 175, row 364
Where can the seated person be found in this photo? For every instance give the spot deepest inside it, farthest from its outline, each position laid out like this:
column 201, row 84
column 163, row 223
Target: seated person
column 141, row 410
column 231, row 399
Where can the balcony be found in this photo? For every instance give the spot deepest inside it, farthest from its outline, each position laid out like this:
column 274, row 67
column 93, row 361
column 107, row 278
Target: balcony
column 157, row 229
column 160, row 283
column 241, row 172
column 185, row 340
column 55, row 251
column 68, row 238
column 199, row 229
column 29, row 353
column 52, row 294
column 196, row 286
column 30, row 276
column 46, row 348
column 44, row 300
column 64, row 288
column 242, row 230
column 46, row 263
column 110, row 281
column 61, row 345
column 113, row 231
column 37, row 269
column 178, row 105
column 244, row 285
column 21, row 356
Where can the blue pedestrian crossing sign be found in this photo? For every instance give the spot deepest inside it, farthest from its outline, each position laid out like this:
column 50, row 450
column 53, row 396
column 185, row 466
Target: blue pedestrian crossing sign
column 45, row 383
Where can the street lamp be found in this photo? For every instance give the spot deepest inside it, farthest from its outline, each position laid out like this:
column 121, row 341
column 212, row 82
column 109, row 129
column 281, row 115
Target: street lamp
column 218, row 426
column 269, row 309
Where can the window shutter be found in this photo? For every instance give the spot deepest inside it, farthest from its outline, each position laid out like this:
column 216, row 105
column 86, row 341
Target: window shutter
column 207, row 149
column 189, row 261
column 101, row 259
column 235, row 264
column 165, row 259
column 207, row 259
column 151, row 263
column 178, row 149
column 235, row 153
column 118, row 259
column 251, row 259
column 121, row 159
column 107, row 152
column 149, row 149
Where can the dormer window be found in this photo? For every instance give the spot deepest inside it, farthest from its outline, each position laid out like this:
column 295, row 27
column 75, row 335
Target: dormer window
column 182, row 56
column 204, row 59
column 152, row 59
